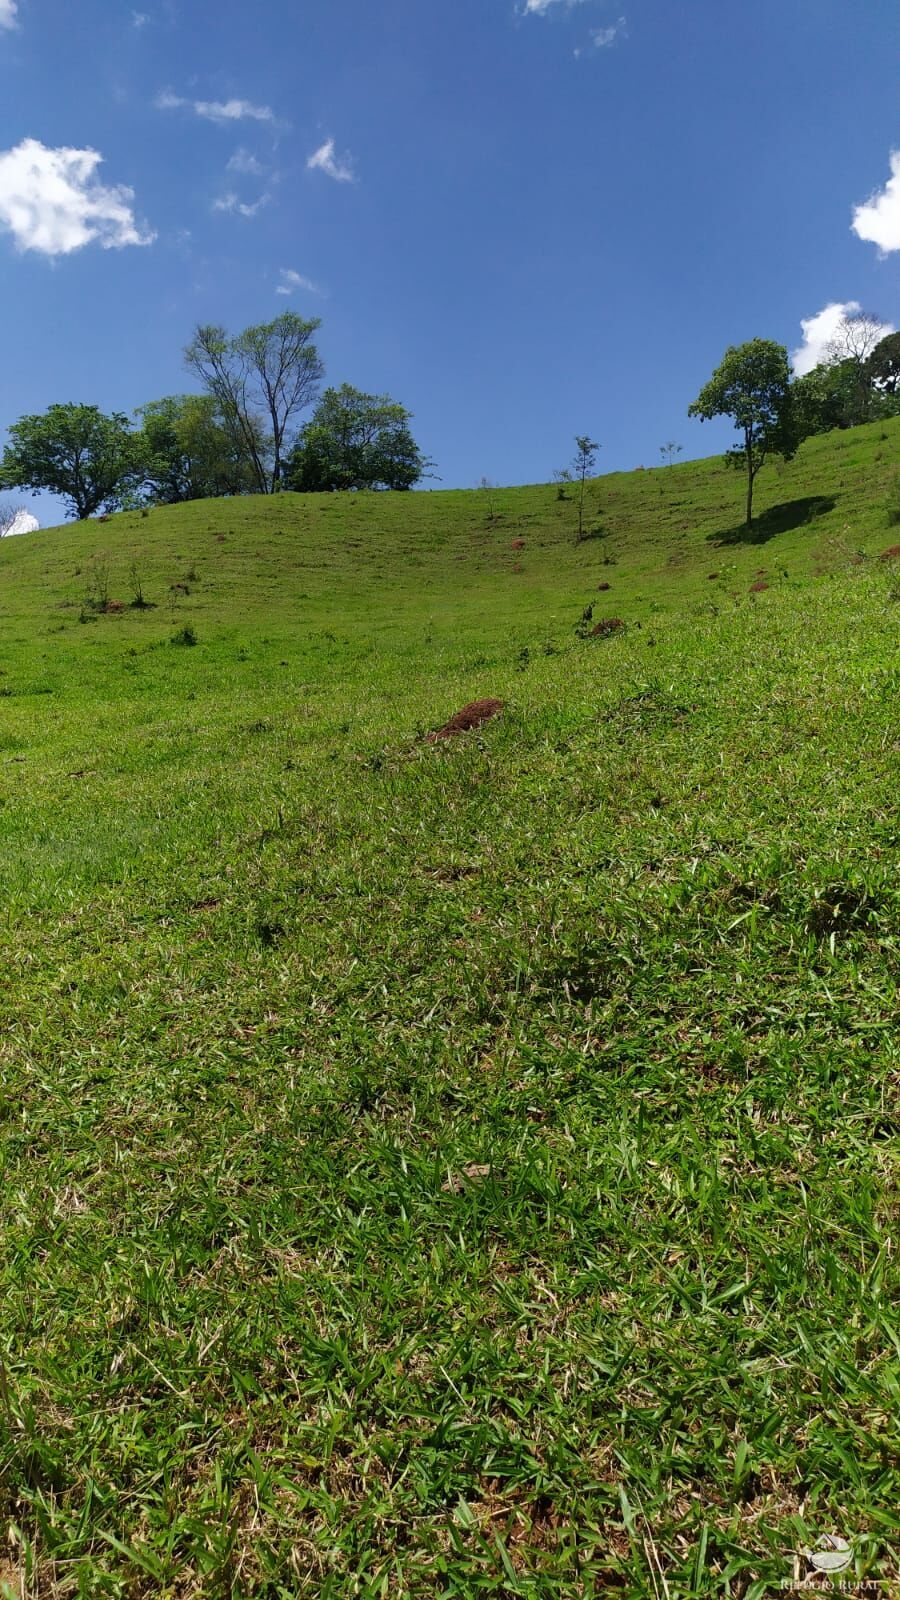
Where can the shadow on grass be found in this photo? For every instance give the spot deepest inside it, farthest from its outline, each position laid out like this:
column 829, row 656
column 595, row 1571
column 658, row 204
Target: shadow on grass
column 778, row 519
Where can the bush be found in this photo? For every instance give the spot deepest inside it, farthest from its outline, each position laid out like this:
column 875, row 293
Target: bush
column 185, row 635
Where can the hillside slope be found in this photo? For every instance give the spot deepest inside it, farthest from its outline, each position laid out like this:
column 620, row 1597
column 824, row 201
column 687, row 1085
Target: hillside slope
column 462, row 1168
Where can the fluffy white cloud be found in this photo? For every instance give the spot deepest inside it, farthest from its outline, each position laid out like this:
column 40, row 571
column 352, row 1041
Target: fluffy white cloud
column 8, row 11
column 820, row 331
column 336, row 167
column 242, row 208
column 222, row 111
column 22, row 522
column 292, row 281
column 245, row 162
column 878, row 220
column 51, row 201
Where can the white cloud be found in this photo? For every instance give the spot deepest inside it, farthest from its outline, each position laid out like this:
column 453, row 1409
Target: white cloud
column 539, row 8
column 22, row 522
column 51, row 201
column 878, row 221
column 233, row 111
column 139, row 19
column 291, row 281
column 245, row 162
column 820, row 331
column 230, row 202
column 222, row 111
column 336, row 167
column 8, row 12
column 603, row 37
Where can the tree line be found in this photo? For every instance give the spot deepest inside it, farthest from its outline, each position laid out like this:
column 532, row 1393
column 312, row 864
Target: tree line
column 859, row 381
column 242, row 434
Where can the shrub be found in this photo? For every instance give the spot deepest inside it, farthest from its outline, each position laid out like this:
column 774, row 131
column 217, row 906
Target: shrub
column 139, row 601
column 185, row 635
column 97, row 595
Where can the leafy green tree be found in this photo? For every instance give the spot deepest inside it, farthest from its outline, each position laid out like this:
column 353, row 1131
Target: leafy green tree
column 830, row 396
column 813, row 399
column 751, row 385
column 826, row 398
column 356, row 441
column 883, row 365
column 262, row 380
column 90, row 460
column 188, row 453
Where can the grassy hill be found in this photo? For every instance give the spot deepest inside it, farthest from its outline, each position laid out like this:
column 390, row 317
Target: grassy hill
column 456, row 1168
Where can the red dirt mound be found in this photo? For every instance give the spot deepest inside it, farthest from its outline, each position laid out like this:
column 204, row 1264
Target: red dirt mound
column 471, row 716
column 602, row 587
column 606, row 627
column 892, row 553
column 517, row 544
column 757, row 588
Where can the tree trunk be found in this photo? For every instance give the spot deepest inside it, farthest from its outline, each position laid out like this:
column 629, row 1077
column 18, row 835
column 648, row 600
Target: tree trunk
column 748, row 446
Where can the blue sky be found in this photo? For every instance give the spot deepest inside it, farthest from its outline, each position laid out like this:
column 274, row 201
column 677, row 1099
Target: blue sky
column 522, row 218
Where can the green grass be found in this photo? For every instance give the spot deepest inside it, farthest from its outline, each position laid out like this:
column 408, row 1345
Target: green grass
column 452, row 1169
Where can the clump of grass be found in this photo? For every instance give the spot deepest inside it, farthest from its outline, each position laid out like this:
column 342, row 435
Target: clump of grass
column 185, row 636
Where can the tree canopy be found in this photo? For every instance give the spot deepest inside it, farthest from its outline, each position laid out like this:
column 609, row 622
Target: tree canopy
column 751, row 385
column 187, row 453
column 883, row 365
column 262, row 380
column 90, row 460
column 356, row 441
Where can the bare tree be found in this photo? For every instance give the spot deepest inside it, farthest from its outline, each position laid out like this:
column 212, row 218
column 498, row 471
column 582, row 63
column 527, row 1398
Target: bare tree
column 262, row 380
column 487, row 487
column 9, row 515
column 856, row 337
column 854, row 341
